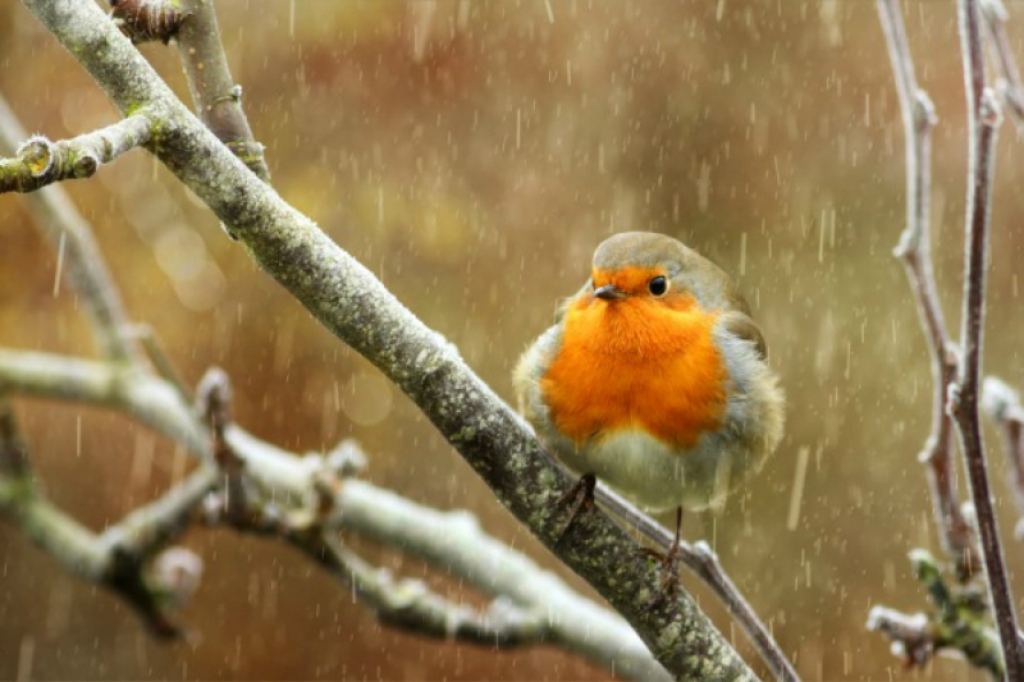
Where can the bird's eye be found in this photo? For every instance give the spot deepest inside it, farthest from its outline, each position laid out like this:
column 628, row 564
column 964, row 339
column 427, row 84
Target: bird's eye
column 658, row 286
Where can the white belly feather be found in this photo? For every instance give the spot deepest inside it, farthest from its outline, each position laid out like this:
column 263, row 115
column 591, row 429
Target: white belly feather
column 653, row 474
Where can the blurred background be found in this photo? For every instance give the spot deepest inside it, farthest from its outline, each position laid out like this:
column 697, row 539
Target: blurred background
column 472, row 154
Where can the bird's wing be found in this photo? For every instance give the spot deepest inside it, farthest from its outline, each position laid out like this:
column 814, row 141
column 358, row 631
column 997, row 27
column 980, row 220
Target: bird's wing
column 743, row 326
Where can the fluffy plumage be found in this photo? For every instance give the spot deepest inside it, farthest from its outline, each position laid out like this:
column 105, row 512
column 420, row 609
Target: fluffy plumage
column 667, row 398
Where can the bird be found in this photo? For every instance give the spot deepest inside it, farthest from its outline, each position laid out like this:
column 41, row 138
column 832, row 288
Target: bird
column 653, row 379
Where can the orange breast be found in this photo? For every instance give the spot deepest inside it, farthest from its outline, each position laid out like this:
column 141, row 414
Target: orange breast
column 637, row 363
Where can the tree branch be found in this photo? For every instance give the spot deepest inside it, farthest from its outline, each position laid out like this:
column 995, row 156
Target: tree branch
column 118, row 558
column 1010, row 86
column 914, row 252
column 1002, row 404
column 353, row 304
column 61, row 222
column 983, row 123
column 704, row 563
column 40, row 162
column 410, row 605
column 145, row 20
column 452, row 541
column 218, row 100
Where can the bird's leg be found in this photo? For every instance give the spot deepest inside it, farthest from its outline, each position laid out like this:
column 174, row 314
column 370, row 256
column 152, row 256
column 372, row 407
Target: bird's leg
column 669, row 584
column 582, row 495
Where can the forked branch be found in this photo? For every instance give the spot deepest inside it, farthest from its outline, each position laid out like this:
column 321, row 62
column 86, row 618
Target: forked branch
column 983, row 116
column 914, row 252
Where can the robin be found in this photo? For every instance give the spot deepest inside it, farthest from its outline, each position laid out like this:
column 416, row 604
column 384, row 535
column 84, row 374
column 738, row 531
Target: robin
column 654, row 379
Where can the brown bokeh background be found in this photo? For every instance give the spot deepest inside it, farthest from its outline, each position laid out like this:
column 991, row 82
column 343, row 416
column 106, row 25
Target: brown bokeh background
column 472, row 155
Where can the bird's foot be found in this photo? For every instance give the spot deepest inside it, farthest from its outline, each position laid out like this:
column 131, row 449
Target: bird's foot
column 581, row 494
column 668, row 586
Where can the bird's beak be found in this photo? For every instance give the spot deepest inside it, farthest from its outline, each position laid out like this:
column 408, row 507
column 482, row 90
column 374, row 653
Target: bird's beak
column 609, row 292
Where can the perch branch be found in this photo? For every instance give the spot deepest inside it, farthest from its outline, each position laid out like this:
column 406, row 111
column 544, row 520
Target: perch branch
column 40, row 162
column 983, row 123
column 914, row 252
column 353, row 304
column 1002, row 404
column 61, row 222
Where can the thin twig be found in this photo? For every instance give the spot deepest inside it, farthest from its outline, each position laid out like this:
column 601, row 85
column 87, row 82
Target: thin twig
column 39, row 162
column 119, row 557
column 218, row 100
column 14, row 461
column 62, row 223
column 145, row 20
column 702, row 560
column 1002, row 404
column 411, row 605
column 1010, row 86
column 158, row 358
column 914, row 252
column 983, row 123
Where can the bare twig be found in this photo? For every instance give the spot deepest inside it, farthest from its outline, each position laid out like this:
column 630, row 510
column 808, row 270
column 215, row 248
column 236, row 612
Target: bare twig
column 913, row 637
column 409, row 604
column 239, row 499
column 914, row 252
column 352, row 303
column 218, row 100
column 40, row 162
column 1010, row 86
column 154, row 525
column 61, row 222
column 119, row 558
column 983, row 123
column 1002, row 404
column 450, row 540
column 702, row 560
column 143, row 333
column 144, row 20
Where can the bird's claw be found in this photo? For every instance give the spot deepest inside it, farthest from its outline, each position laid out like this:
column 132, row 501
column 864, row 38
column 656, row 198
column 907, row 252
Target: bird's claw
column 668, row 586
column 582, row 496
